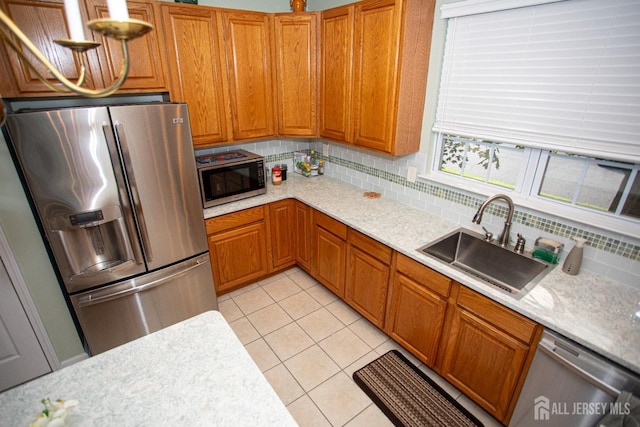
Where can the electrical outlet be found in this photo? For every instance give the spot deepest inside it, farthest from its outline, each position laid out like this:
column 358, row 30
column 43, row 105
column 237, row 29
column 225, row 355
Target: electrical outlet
column 412, row 173
column 325, row 150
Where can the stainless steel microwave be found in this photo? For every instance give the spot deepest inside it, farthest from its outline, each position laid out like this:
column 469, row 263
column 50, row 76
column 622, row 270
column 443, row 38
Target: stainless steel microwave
column 230, row 176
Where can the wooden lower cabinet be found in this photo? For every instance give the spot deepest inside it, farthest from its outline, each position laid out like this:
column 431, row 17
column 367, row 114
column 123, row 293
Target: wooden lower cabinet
column 329, row 254
column 368, row 270
column 303, row 235
column 238, row 248
column 281, row 224
column 481, row 347
column 417, row 307
column 487, row 352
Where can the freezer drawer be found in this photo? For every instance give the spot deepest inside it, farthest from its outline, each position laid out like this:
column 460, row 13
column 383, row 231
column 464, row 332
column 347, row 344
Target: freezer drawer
column 127, row 310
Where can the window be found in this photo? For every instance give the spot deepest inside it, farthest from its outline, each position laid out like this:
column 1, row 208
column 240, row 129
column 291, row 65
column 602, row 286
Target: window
column 600, row 185
column 488, row 162
column 603, row 186
column 542, row 99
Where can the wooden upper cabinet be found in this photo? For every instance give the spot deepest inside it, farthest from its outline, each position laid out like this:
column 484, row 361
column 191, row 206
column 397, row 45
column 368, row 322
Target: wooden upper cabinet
column 393, row 39
column 336, row 71
column 195, row 67
column 7, row 85
column 42, row 21
column 247, row 42
column 146, row 70
column 376, row 68
column 296, row 48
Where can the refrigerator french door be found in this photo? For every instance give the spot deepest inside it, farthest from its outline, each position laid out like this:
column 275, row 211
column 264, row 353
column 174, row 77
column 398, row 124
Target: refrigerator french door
column 116, row 192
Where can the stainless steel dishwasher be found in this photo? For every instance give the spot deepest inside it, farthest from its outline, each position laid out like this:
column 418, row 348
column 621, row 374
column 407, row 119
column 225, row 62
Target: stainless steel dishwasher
column 569, row 385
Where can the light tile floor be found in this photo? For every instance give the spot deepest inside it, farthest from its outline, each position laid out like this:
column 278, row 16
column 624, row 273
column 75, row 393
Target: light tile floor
column 308, row 343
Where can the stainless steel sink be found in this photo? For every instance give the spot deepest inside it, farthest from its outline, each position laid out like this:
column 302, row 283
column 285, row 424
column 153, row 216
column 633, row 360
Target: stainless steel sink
column 467, row 251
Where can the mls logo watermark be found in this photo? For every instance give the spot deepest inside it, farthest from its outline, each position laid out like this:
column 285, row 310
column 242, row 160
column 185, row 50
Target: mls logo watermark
column 543, row 408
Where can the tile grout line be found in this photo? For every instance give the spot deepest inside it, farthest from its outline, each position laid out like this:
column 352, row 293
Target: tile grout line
column 315, row 343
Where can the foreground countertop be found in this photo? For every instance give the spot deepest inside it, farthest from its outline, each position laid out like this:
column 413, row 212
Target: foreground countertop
column 192, row 373
column 590, row 309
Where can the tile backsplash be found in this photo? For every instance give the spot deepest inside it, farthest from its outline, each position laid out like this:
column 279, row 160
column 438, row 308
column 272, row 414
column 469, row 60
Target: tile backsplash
column 610, row 254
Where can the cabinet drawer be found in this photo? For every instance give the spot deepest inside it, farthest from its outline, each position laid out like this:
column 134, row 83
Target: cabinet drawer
column 330, row 224
column 424, row 275
column 501, row 317
column 233, row 220
column 370, row 246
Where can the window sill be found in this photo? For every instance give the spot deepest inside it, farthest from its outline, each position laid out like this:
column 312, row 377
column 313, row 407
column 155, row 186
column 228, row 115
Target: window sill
column 542, row 206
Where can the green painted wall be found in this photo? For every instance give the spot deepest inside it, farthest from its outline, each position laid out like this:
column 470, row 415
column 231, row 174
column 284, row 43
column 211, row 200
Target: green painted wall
column 26, row 244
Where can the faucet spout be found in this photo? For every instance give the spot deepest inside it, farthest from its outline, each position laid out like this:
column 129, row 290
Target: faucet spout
column 503, row 240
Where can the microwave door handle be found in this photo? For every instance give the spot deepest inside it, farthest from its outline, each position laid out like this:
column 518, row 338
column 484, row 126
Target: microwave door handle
column 137, row 253
column 146, row 243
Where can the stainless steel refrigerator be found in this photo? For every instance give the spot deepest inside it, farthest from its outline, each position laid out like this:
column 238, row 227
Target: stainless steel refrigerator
column 116, row 192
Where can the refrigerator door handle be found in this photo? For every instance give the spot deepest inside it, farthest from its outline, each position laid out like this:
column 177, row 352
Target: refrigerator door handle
column 146, row 243
column 137, row 253
column 91, row 300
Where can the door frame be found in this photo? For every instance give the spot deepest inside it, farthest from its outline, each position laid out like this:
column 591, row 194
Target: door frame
column 20, row 286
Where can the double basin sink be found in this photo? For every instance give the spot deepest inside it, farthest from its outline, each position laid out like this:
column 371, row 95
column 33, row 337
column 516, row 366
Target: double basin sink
column 499, row 266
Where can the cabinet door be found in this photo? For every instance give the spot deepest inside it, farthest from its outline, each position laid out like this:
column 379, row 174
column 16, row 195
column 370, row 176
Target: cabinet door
column 376, row 69
column 330, row 252
column 282, row 224
column 367, row 285
column 393, row 39
column 296, row 47
column 247, row 40
column 330, row 261
column 416, row 318
column 42, row 21
column 336, row 73
column 195, row 66
column 239, row 256
column 146, row 70
column 8, row 86
column 303, row 227
column 483, row 361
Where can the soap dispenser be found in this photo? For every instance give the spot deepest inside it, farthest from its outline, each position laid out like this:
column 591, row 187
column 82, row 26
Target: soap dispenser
column 574, row 259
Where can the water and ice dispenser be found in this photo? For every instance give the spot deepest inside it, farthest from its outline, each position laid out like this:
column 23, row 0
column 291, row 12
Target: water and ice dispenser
column 93, row 242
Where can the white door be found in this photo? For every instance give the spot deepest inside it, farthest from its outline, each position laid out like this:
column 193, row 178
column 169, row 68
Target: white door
column 21, row 356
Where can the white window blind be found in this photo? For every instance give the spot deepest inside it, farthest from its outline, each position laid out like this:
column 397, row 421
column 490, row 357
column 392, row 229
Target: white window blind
column 559, row 76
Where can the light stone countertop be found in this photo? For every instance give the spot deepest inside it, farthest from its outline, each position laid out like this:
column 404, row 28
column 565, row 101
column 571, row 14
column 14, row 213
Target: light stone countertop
column 590, row 309
column 194, row 373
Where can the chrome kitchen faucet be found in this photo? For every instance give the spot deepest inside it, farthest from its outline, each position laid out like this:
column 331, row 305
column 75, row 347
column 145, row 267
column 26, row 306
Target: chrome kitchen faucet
column 503, row 240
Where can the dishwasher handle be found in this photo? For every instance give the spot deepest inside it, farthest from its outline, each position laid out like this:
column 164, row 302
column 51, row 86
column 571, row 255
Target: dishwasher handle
column 552, row 348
